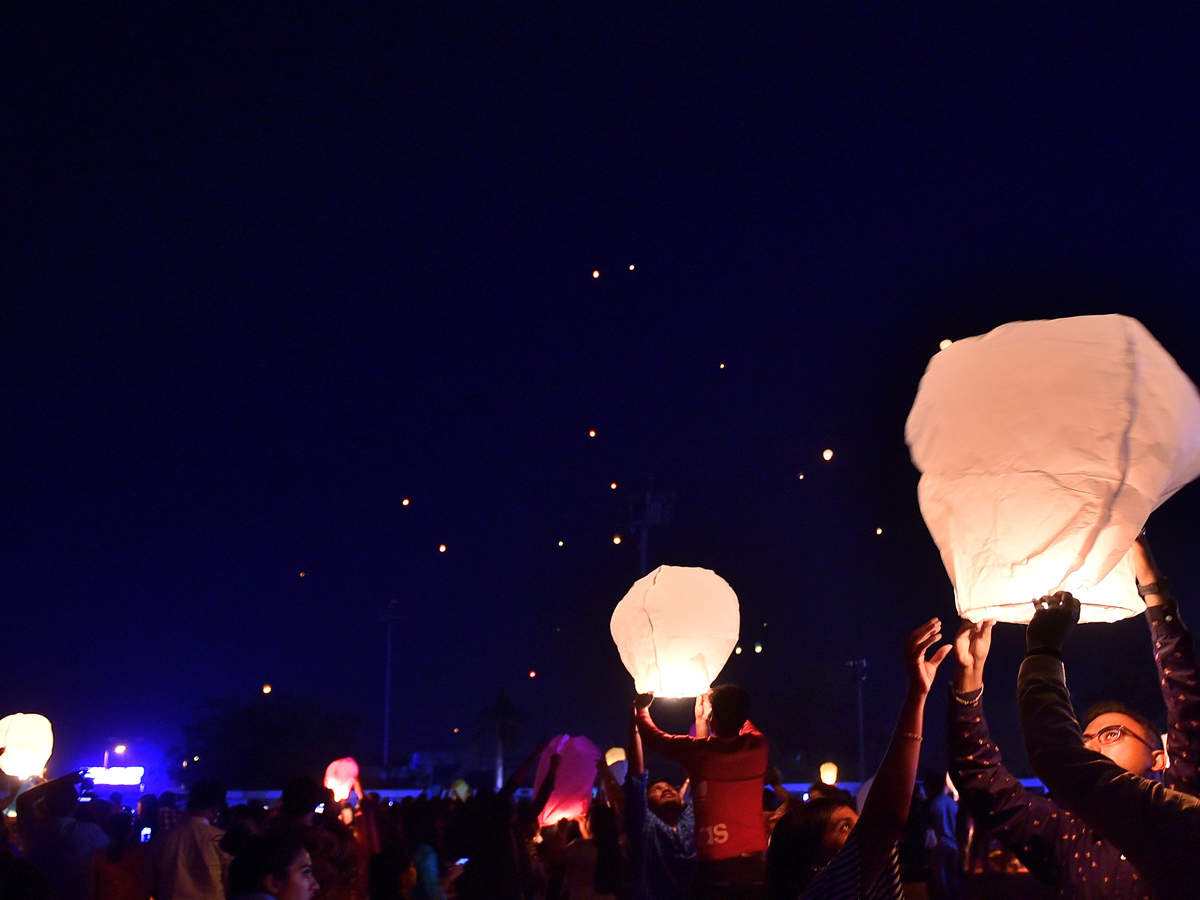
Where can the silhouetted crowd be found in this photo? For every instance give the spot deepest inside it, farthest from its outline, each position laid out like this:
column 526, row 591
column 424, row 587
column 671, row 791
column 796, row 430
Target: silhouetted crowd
column 1121, row 819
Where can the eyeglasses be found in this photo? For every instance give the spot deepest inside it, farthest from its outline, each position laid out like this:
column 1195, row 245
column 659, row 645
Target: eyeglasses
column 1110, row 734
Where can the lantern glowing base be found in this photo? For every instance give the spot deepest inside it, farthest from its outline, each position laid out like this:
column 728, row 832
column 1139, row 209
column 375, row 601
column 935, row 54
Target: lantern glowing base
column 1009, row 597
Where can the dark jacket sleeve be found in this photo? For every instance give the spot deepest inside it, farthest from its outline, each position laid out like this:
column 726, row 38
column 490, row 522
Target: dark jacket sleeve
column 1026, row 823
column 1158, row 829
column 1175, row 657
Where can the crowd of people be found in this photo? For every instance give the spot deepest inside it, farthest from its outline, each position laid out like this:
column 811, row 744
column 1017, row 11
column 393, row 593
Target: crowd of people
column 1121, row 819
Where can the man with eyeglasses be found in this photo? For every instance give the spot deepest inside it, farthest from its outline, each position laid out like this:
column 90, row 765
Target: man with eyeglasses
column 1053, row 842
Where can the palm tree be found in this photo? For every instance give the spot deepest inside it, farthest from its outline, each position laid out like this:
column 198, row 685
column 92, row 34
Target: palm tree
column 503, row 718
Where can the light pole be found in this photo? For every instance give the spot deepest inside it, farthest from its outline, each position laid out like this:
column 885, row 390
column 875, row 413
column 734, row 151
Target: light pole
column 119, row 750
column 390, row 615
column 858, row 668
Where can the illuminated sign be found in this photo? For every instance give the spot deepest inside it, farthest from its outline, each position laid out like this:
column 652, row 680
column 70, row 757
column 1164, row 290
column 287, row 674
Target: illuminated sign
column 116, row 775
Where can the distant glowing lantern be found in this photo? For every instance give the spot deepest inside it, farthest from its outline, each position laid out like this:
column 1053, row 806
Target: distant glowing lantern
column 560, row 543
column 721, row 366
column 675, row 629
column 618, row 764
column 120, row 749
column 737, row 650
column 758, row 648
column 616, row 539
column 266, row 689
column 441, row 548
column 827, row 455
column 828, row 773
column 533, row 673
column 595, row 273
column 303, row 574
column 460, row 789
column 591, row 432
column 631, row 267
column 945, row 344
column 800, row 476
column 28, row 741
column 612, row 486
column 405, row 502
column 573, row 781
column 879, row 531
column 1043, row 447
column 456, row 731
column 340, row 776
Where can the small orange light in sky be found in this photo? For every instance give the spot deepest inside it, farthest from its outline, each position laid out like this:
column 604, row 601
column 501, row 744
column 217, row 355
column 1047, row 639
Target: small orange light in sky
column 616, row 539
column 800, row 476
column 595, row 273
column 533, row 673
column 631, row 267
column 441, row 548
column 302, row 574
column 560, row 543
column 591, row 432
column 721, row 366
column 827, row 455
column 405, row 502
column 266, row 689
column 879, row 531
column 612, row 486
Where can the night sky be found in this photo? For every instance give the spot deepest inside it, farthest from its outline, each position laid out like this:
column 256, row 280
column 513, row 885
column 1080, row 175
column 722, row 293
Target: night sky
column 273, row 269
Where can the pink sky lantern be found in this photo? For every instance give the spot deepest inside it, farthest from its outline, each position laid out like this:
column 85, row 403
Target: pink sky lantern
column 340, row 776
column 675, row 629
column 573, row 783
column 1043, row 448
column 28, row 741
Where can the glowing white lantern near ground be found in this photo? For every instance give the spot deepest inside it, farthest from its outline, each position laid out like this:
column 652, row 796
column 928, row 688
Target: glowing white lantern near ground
column 618, row 764
column 28, row 741
column 828, row 773
column 1043, row 447
column 675, row 629
column 340, row 776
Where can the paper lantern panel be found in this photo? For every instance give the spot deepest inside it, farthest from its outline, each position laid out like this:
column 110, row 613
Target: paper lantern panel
column 572, row 793
column 28, row 741
column 675, row 629
column 340, row 776
column 1043, row 448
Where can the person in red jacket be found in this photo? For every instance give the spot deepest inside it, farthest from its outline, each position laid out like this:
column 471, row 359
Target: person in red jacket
column 726, row 762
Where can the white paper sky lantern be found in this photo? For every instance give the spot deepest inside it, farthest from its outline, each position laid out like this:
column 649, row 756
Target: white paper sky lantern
column 1044, row 447
column 572, row 793
column 340, row 776
column 28, row 741
column 675, row 629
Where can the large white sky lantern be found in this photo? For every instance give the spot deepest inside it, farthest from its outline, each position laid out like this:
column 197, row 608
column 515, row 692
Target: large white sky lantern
column 675, row 629
column 1043, row 448
column 28, row 741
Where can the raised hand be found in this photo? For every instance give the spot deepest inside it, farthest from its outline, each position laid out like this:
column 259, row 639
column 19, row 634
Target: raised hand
column 971, row 646
column 1056, row 615
column 921, row 671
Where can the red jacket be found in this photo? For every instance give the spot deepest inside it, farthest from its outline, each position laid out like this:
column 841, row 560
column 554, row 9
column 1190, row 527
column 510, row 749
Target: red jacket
column 727, row 785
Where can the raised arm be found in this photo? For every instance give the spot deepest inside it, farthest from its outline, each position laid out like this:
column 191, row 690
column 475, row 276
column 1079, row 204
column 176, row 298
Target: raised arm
column 888, row 803
column 1157, row 828
column 1020, row 819
column 1175, row 659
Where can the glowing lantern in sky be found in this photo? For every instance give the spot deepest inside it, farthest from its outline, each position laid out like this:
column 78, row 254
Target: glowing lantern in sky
column 827, row 455
column 441, row 548
column 572, row 783
column 828, row 773
column 28, row 741
column 675, row 629
column 1044, row 446
column 340, row 776
column 595, row 273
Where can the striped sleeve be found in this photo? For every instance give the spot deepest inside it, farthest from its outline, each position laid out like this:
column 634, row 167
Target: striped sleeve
column 841, row 876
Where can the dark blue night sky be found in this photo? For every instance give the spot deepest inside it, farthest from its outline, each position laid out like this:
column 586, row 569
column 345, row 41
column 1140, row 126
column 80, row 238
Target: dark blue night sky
column 273, row 269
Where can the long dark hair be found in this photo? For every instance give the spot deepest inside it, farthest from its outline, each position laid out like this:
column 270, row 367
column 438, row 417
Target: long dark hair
column 119, row 829
column 795, row 855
